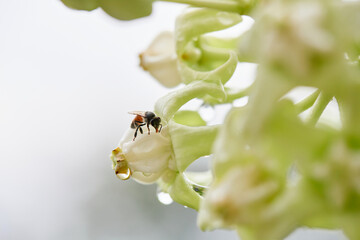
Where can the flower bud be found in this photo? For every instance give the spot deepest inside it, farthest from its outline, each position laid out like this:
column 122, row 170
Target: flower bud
column 160, row 60
column 237, row 198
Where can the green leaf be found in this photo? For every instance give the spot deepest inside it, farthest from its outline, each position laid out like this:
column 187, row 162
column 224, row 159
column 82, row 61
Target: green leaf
column 127, row 9
column 120, row 9
column 81, row 4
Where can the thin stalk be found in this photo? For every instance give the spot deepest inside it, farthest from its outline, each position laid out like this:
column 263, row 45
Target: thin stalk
column 226, row 43
column 211, row 54
column 319, row 108
column 232, row 95
column 230, row 6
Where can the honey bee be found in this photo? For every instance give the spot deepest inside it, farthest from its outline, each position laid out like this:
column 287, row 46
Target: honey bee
column 145, row 118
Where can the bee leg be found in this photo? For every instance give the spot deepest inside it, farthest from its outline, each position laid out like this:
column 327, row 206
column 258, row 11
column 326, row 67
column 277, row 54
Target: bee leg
column 147, row 125
column 139, row 126
column 135, row 134
column 141, row 131
column 160, row 127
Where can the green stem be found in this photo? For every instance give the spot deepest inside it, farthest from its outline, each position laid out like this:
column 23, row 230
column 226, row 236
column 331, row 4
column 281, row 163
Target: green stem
column 211, row 54
column 206, row 42
column 307, row 102
column 215, row 49
column 350, row 115
column 232, row 94
column 224, row 43
column 169, row 104
column 319, row 108
column 230, row 6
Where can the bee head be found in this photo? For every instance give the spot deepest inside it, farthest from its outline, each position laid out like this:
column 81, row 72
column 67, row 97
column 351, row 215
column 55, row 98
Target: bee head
column 155, row 122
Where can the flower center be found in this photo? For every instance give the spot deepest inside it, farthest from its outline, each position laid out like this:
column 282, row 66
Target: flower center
column 121, row 167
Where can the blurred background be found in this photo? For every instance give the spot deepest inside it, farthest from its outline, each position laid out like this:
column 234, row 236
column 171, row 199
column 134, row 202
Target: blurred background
column 67, row 80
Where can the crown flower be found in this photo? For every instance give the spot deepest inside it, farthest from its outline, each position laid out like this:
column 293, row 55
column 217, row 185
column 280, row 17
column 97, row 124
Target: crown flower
column 286, row 153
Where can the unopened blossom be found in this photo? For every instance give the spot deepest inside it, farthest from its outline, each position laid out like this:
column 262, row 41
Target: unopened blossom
column 237, row 198
column 160, row 60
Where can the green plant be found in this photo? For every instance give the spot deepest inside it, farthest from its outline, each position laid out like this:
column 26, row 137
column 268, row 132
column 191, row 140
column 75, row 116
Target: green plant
column 313, row 43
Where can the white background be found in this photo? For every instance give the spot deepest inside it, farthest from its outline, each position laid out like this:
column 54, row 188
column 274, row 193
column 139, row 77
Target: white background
column 67, row 80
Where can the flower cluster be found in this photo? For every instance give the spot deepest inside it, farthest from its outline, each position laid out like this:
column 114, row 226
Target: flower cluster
column 275, row 166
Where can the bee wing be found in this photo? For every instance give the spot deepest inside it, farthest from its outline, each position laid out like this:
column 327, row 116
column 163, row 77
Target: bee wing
column 140, row 113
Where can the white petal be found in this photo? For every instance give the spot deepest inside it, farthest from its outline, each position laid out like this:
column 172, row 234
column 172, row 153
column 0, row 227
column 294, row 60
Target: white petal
column 148, row 153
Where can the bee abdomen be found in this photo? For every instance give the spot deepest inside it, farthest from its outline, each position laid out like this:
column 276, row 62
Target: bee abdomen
column 138, row 120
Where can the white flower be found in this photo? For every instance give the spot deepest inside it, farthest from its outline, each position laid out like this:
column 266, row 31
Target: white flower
column 160, row 60
column 145, row 159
